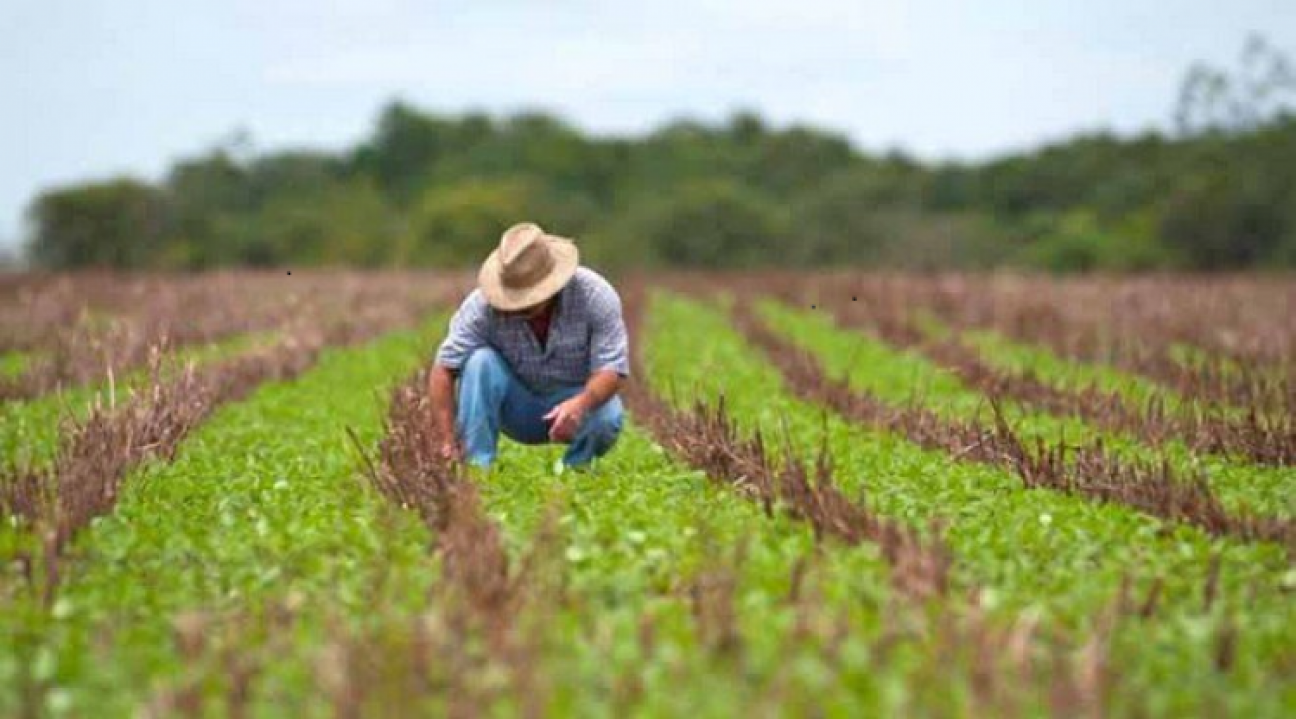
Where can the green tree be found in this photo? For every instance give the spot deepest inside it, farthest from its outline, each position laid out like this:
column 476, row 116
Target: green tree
column 342, row 223
column 425, row 188
column 1078, row 242
column 405, row 145
column 118, row 223
column 714, row 224
column 456, row 225
column 211, row 200
column 843, row 220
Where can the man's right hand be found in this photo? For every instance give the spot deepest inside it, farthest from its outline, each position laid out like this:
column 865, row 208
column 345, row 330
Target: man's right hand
column 441, row 412
column 450, row 451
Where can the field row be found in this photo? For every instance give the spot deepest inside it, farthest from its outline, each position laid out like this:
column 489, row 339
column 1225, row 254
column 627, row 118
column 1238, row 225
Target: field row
column 742, row 549
column 63, row 331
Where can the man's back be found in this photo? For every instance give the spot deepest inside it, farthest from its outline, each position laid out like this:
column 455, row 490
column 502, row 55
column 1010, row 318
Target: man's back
column 494, row 375
column 586, row 334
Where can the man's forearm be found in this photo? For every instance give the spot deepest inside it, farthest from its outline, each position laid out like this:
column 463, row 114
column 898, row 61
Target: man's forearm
column 441, row 394
column 600, row 387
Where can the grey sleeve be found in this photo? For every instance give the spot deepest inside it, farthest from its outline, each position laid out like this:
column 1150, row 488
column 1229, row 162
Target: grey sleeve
column 468, row 332
column 609, row 343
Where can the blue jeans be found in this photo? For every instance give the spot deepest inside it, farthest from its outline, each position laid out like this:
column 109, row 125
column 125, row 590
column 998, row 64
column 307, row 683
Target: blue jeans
column 491, row 399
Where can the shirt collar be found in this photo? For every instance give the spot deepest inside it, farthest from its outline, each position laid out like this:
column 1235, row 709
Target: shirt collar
column 553, row 319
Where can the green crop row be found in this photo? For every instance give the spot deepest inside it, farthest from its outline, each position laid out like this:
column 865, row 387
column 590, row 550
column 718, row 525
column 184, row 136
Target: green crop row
column 29, row 429
column 901, row 377
column 14, row 363
column 639, row 538
column 1192, row 357
column 1241, row 486
column 261, row 503
column 638, row 535
column 263, row 508
column 1061, row 557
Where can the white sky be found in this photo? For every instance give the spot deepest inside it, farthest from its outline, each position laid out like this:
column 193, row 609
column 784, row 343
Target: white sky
column 93, row 88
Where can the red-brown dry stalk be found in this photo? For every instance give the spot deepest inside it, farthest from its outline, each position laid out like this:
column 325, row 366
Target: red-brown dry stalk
column 1267, row 439
column 707, row 439
column 1090, row 471
column 481, row 593
column 1000, row 660
column 83, row 325
column 96, row 453
column 1241, row 324
column 888, row 306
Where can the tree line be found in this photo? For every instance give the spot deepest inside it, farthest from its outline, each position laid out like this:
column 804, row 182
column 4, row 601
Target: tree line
column 1216, row 193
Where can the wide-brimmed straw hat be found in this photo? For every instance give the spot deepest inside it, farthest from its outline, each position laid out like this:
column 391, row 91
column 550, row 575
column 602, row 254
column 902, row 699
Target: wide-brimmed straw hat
column 527, row 268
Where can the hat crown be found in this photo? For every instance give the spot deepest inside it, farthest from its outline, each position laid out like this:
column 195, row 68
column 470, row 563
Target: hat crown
column 524, row 256
column 528, row 267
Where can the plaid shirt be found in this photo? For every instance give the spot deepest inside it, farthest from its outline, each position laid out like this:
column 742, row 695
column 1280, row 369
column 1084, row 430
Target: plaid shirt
column 587, row 334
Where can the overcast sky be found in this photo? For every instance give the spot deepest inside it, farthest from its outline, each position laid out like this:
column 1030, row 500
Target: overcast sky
column 94, row 88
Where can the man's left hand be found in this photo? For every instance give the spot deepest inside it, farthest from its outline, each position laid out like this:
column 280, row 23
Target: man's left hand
column 566, row 418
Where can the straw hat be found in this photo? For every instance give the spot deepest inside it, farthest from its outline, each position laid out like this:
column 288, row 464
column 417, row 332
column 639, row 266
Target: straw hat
column 528, row 268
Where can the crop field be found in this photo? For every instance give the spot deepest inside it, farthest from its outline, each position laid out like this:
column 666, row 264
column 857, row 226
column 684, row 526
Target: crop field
column 837, row 495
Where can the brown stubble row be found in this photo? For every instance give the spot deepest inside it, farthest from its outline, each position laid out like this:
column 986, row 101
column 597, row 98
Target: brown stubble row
column 1090, row 470
column 487, row 615
column 96, row 453
column 481, row 593
column 887, row 306
column 1000, row 657
column 1133, row 323
column 1262, row 438
column 81, row 326
column 707, row 439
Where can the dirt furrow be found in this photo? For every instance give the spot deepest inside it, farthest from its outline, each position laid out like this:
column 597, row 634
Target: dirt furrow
column 1089, row 470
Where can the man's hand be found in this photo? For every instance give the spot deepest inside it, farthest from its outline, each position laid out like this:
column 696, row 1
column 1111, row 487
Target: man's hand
column 450, row 451
column 441, row 413
column 566, row 418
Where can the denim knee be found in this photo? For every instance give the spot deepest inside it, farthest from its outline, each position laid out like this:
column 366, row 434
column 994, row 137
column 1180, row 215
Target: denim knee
column 483, row 365
column 483, row 359
column 605, row 422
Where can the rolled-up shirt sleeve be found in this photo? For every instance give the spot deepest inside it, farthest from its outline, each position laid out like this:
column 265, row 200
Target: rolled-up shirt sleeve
column 609, row 342
column 467, row 333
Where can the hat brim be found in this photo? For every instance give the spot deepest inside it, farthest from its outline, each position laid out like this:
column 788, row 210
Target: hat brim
column 566, row 259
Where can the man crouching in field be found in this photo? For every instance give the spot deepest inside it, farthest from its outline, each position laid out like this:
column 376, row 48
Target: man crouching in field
column 540, row 351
